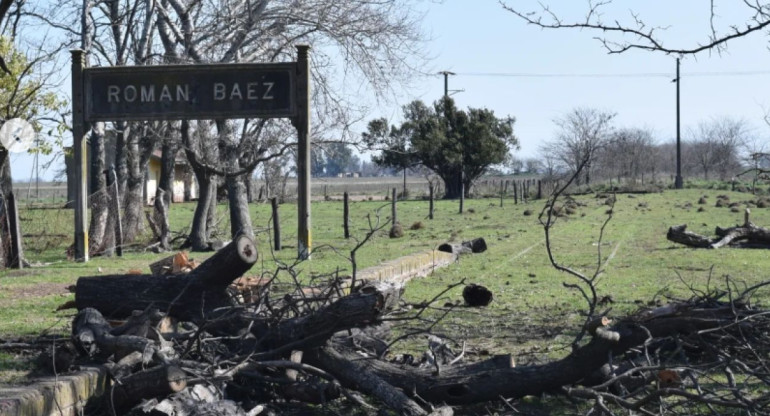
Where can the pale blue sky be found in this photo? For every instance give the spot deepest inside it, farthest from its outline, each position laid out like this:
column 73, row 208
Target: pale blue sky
column 477, row 39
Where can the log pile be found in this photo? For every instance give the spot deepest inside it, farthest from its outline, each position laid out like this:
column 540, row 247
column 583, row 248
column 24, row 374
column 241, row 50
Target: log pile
column 186, row 343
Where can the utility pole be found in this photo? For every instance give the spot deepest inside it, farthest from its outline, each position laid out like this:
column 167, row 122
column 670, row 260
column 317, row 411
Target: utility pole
column 678, row 183
column 446, row 75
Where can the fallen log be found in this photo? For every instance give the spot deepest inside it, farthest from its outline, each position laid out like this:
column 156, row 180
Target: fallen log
column 158, row 381
column 747, row 234
column 191, row 297
column 365, row 307
column 477, row 245
column 91, row 334
column 488, row 380
column 353, row 371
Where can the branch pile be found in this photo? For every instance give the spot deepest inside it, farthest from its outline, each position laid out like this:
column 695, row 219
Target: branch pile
column 194, row 344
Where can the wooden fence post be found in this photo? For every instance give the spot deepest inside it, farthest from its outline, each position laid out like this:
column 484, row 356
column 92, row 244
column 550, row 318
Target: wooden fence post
column 515, row 193
column 276, row 225
column 539, row 189
column 393, row 215
column 430, row 207
column 345, row 215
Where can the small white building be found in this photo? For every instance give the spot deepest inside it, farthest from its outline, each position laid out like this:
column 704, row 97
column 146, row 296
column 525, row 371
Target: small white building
column 185, row 186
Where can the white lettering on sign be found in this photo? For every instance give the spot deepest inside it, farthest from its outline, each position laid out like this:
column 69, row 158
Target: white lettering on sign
column 147, row 93
column 268, row 91
column 235, row 91
column 183, row 94
column 150, row 93
column 219, row 91
column 113, row 93
column 129, row 93
column 165, row 94
column 251, row 90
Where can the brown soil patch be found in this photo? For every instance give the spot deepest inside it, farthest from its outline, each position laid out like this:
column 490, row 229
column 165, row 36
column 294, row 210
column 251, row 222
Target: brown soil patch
column 34, row 291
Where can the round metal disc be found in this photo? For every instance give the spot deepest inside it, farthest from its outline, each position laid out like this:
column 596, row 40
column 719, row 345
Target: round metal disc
column 17, row 135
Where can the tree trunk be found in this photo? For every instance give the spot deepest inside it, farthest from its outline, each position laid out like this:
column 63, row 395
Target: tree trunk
column 191, row 296
column 138, row 150
column 6, row 187
column 199, row 235
column 164, row 194
column 240, row 219
column 167, row 166
column 237, row 195
column 248, row 180
column 453, row 185
column 98, row 198
column 494, row 378
column 188, row 184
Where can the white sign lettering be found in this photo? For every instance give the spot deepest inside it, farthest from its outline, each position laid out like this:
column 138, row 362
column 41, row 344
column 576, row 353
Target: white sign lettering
column 251, row 91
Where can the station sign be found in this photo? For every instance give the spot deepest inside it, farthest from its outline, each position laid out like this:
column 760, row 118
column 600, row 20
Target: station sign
column 175, row 92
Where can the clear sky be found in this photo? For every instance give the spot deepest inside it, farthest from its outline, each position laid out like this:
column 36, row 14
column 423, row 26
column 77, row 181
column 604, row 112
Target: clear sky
column 537, row 75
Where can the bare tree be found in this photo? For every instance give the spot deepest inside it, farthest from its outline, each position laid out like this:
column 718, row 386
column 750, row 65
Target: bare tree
column 715, row 146
column 619, row 34
column 581, row 133
column 629, row 154
column 265, row 31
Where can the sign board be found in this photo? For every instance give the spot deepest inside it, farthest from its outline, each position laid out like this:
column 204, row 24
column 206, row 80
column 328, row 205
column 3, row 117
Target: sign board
column 173, row 92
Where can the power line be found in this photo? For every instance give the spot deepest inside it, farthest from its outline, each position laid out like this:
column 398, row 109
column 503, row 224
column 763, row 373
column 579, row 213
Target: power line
column 610, row 75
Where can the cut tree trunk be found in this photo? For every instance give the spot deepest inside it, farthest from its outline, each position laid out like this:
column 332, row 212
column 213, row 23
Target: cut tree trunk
column 362, row 308
column 477, row 245
column 491, row 379
column 191, row 296
column 91, row 334
column 747, row 234
column 155, row 382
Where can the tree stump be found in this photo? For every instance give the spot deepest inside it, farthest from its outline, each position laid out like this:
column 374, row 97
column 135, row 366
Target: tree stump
column 191, row 296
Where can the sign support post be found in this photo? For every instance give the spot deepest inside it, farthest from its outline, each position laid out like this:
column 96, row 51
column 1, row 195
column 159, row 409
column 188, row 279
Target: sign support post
column 302, row 123
column 79, row 156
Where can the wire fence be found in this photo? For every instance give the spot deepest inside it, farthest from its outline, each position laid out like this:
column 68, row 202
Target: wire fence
column 46, row 217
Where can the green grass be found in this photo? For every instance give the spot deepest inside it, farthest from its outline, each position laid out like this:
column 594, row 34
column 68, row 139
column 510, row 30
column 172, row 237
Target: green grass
column 529, row 292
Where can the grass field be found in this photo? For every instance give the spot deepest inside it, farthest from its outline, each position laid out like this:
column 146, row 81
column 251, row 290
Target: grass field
column 532, row 316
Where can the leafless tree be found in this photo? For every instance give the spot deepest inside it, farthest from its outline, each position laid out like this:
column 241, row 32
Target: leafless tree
column 375, row 44
column 619, row 34
column 716, row 145
column 629, row 154
column 580, row 135
column 266, row 32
